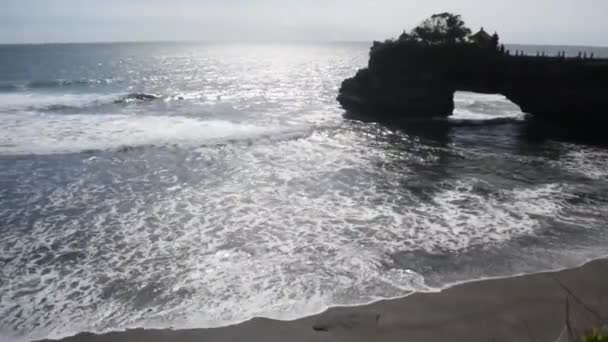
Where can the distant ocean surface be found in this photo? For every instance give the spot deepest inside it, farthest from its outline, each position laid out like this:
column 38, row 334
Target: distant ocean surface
column 199, row 185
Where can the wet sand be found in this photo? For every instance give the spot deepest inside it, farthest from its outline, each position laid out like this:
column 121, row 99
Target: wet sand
column 524, row 308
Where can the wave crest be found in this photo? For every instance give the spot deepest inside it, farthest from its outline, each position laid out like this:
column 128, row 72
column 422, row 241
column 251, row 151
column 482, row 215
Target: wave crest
column 70, row 103
column 25, row 134
column 54, row 84
column 137, row 97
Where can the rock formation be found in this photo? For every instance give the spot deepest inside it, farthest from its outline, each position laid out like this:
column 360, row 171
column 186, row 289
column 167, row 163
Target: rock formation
column 415, row 77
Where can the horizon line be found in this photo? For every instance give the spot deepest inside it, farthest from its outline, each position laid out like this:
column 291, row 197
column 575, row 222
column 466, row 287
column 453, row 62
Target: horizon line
column 302, row 41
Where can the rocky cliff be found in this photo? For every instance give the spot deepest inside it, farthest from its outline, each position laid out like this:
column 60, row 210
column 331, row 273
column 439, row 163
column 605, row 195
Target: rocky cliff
column 407, row 80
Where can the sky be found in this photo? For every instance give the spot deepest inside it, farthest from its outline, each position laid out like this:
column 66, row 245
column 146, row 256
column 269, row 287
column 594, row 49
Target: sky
column 558, row 22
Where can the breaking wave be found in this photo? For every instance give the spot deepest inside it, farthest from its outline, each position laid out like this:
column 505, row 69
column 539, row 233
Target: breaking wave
column 474, row 108
column 72, row 103
column 50, row 134
column 9, row 87
column 136, row 97
column 55, row 84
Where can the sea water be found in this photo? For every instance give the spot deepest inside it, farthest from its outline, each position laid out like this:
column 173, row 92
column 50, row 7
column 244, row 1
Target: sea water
column 199, row 185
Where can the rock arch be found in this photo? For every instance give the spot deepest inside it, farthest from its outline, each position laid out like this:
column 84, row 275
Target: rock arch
column 413, row 80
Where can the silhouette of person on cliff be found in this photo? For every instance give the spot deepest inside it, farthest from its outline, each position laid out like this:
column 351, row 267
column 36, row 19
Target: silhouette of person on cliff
column 495, row 41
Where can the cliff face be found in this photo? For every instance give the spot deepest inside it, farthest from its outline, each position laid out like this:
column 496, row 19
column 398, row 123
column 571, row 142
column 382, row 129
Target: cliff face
column 557, row 89
column 406, row 80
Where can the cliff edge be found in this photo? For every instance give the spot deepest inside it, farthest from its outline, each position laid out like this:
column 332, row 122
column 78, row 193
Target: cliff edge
column 417, row 75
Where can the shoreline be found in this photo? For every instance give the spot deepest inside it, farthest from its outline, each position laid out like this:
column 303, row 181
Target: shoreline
column 528, row 307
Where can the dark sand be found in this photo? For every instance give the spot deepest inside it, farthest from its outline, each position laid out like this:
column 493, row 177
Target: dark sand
column 526, row 308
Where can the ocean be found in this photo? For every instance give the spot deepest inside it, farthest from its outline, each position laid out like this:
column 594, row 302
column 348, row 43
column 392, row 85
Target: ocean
column 192, row 185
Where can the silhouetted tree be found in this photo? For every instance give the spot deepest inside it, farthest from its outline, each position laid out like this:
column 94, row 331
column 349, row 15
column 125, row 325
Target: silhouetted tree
column 443, row 28
column 406, row 37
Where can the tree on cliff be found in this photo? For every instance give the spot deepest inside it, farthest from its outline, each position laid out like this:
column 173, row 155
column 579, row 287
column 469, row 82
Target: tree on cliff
column 442, row 28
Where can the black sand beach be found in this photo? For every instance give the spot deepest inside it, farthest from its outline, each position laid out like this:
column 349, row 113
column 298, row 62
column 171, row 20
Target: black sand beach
column 525, row 308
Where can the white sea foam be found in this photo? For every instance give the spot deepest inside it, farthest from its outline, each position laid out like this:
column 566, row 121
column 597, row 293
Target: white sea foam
column 460, row 217
column 591, row 162
column 484, row 107
column 28, row 133
column 277, row 234
column 18, row 102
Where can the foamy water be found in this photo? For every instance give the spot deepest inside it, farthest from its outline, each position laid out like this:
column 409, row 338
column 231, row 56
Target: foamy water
column 58, row 133
column 238, row 190
column 484, row 108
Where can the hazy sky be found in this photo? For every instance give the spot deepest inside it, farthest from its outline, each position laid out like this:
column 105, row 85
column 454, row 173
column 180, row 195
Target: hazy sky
column 574, row 22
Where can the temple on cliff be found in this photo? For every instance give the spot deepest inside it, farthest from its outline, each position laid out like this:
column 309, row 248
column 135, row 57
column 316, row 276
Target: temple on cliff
column 416, row 77
column 482, row 38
